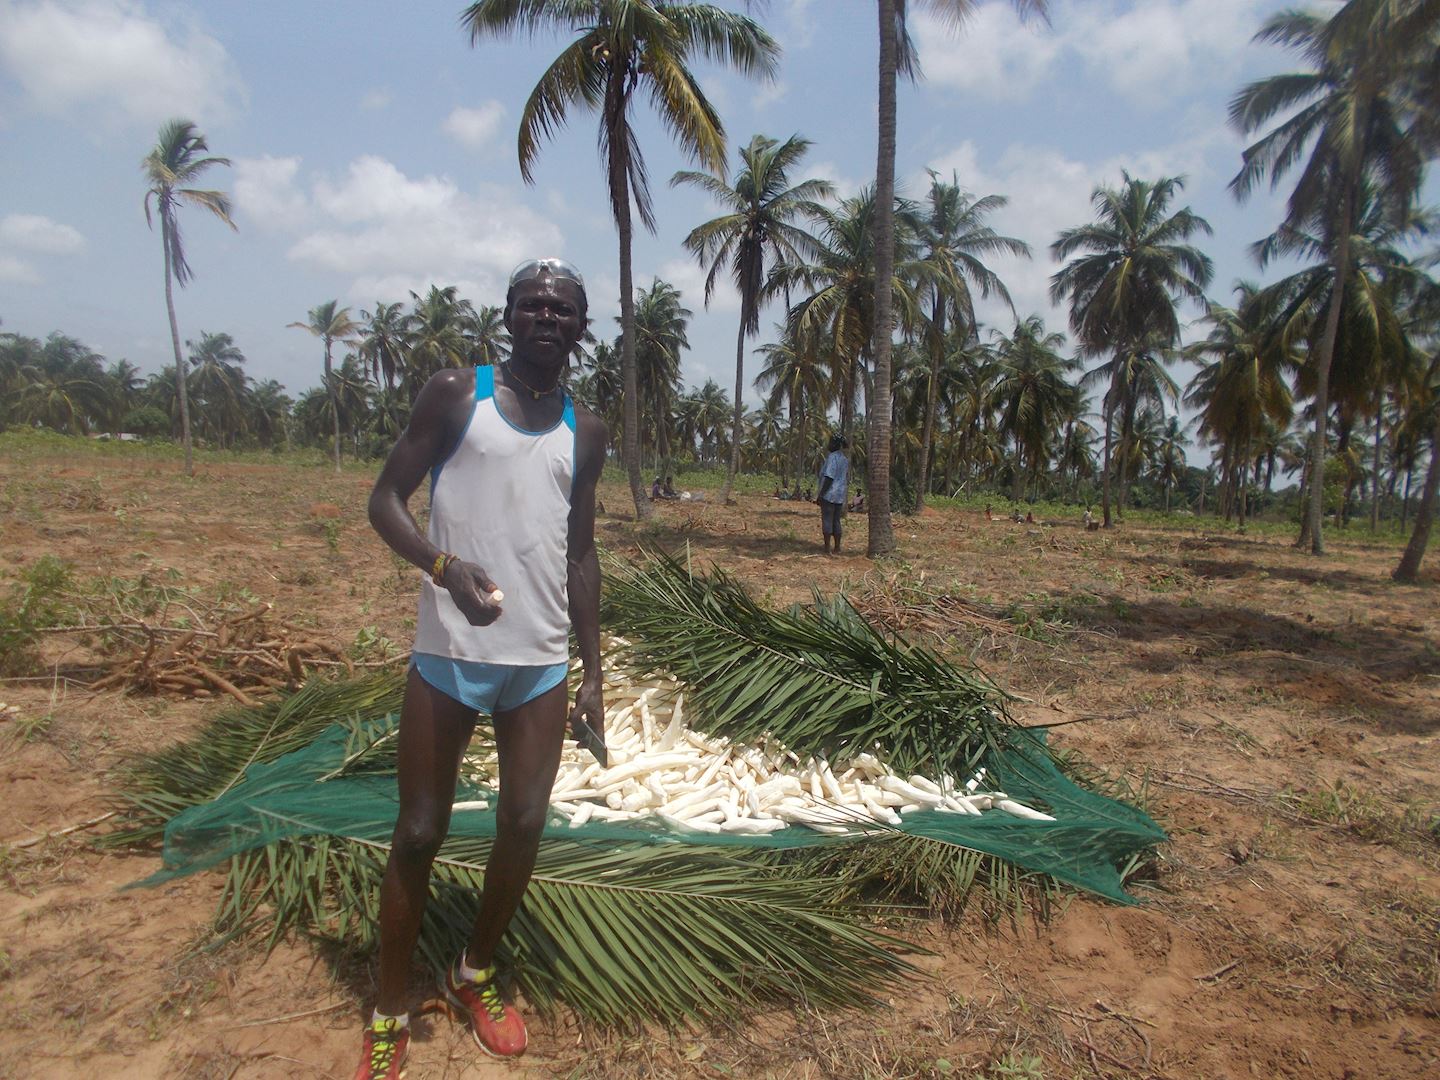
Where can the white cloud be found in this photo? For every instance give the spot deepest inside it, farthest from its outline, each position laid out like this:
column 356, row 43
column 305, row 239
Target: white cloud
column 1159, row 48
column 379, row 98
column 392, row 233
column 845, row 186
column 115, row 61
column 769, row 93
column 687, row 276
column 33, row 232
column 266, row 192
column 1150, row 51
column 994, row 54
column 1050, row 192
column 473, row 128
column 15, row 271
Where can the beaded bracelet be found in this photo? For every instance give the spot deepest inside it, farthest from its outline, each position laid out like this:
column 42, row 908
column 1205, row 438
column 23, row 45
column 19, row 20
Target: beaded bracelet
column 442, row 563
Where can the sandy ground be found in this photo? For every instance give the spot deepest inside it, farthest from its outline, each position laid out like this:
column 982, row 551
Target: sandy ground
column 1279, row 714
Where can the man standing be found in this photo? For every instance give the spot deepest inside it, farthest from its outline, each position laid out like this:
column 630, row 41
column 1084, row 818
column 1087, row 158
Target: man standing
column 513, row 465
column 834, row 477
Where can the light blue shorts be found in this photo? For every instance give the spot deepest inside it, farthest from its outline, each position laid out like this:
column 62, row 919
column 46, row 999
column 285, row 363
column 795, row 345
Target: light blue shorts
column 488, row 688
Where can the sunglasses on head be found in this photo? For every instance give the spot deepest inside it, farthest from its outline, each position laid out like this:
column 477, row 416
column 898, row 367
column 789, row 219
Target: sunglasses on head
column 534, row 268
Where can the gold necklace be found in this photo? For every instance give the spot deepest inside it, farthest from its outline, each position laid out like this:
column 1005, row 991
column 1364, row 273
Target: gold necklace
column 536, row 394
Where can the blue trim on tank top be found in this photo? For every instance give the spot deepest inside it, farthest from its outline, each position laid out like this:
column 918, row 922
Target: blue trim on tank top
column 543, row 431
column 474, row 404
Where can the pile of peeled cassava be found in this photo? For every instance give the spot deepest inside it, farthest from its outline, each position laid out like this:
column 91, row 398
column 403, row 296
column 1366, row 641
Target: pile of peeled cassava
column 660, row 768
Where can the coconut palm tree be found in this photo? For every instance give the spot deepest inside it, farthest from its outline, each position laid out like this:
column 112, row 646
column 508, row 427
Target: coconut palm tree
column 125, row 385
column 1033, row 393
column 221, row 385
column 895, row 57
column 660, row 324
column 758, row 226
column 63, row 387
column 795, row 374
column 173, row 164
column 439, row 332
column 491, row 341
column 1353, row 109
column 269, row 412
column 331, row 323
column 621, row 47
column 837, row 316
column 1125, row 288
column 382, row 346
column 954, row 239
column 1370, row 341
column 1244, row 387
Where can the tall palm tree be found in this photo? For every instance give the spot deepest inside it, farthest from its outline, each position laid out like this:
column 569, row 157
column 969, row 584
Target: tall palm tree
column 660, row 324
column 759, row 224
column 953, row 240
column 1244, row 387
column 1353, row 110
column 837, row 317
column 439, row 332
column 797, row 375
column 620, row 47
column 492, row 341
column 1170, row 456
column 221, row 384
column 1034, row 394
column 895, row 57
column 330, row 323
column 1125, row 288
column 125, row 386
column 173, row 164
column 382, row 347
column 270, row 412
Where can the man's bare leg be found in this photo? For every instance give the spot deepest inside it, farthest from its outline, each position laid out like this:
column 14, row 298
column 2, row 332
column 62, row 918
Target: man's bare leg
column 434, row 731
column 528, row 739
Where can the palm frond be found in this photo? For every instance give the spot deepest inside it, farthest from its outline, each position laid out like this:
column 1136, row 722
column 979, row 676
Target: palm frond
column 616, row 933
column 819, row 680
column 158, row 785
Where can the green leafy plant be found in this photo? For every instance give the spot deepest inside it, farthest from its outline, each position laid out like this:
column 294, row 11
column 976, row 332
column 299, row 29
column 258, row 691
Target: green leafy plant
column 35, row 601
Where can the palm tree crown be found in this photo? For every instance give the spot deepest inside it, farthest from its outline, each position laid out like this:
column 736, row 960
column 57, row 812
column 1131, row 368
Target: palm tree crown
column 759, row 224
column 619, row 47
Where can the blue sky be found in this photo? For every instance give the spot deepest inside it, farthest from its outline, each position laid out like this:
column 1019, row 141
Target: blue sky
column 373, row 154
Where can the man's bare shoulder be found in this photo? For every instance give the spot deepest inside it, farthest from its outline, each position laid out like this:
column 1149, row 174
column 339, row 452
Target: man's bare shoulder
column 449, row 383
column 588, row 425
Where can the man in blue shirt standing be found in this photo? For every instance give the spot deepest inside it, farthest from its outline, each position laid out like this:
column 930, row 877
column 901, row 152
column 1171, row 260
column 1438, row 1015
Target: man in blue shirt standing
column 834, row 481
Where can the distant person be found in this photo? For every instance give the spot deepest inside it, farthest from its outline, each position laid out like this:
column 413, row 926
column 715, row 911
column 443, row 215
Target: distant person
column 1029, row 517
column 833, row 480
column 668, row 491
column 857, row 504
column 656, row 491
column 989, row 515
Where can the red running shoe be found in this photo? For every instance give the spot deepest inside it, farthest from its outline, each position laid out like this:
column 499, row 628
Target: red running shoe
column 386, row 1045
column 497, row 1027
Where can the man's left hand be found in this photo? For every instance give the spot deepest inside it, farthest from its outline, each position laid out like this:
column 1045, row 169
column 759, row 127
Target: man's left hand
column 589, row 708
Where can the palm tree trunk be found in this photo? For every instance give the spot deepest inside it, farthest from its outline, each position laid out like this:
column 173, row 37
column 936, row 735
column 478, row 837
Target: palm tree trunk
column 334, row 402
column 629, row 377
column 734, row 465
column 180, row 389
column 1375, row 473
column 1409, row 568
column 1105, row 476
column 1323, row 356
column 932, row 395
column 1405, row 499
column 882, row 537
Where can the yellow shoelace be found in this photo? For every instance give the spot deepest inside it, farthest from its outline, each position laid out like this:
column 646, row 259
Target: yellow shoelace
column 385, row 1040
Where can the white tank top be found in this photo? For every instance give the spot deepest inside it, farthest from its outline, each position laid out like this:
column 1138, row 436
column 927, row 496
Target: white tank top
column 502, row 501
